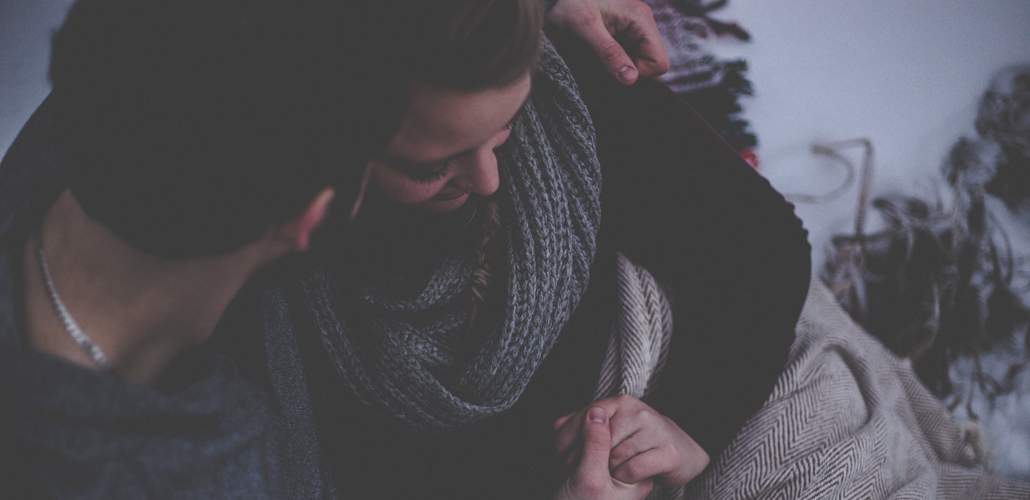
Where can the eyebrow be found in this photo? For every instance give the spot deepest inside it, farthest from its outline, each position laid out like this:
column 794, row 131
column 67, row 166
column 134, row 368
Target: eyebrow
column 420, row 167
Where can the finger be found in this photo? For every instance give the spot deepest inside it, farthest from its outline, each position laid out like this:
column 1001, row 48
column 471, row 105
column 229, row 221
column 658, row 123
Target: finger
column 571, row 457
column 638, row 490
column 562, row 419
column 692, row 460
column 629, row 415
column 651, row 58
column 611, row 53
column 629, row 421
column 648, row 50
column 646, row 465
column 635, row 445
column 597, row 443
column 569, row 433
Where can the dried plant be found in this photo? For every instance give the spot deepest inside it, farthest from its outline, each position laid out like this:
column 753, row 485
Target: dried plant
column 939, row 281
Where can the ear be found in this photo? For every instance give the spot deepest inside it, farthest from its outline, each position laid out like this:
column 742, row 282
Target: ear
column 296, row 233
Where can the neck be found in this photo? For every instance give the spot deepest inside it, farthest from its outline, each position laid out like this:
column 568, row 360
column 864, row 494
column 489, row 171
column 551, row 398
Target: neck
column 140, row 310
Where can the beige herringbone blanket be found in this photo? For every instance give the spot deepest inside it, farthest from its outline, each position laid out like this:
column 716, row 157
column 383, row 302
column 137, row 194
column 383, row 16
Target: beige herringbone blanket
column 846, row 420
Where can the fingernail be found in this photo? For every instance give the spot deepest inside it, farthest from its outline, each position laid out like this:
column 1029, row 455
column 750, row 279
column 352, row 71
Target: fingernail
column 598, row 415
column 627, row 73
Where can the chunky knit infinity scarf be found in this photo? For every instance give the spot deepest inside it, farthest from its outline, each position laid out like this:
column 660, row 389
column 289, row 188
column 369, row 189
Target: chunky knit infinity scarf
column 412, row 357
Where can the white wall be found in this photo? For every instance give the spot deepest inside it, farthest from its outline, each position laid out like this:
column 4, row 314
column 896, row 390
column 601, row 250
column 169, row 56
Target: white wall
column 25, row 29
column 907, row 74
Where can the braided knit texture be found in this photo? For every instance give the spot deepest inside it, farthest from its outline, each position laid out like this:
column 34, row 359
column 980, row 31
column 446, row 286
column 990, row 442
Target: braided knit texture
column 413, row 357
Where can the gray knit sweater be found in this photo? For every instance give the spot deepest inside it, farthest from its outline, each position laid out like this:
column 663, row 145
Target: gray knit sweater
column 208, row 429
column 226, row 421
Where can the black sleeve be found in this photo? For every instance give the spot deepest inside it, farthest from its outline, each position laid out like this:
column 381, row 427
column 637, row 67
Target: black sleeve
column 729, row 249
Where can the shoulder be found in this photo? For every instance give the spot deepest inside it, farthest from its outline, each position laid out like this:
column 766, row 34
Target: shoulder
column 668, row 175
column 678, row 200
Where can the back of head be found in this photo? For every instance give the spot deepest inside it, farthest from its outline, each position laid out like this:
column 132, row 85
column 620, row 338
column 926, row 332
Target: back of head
column 459, row 44
column 197, row 124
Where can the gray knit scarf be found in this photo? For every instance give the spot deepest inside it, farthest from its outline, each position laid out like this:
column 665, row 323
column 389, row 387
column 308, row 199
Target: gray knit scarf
column 411, row 359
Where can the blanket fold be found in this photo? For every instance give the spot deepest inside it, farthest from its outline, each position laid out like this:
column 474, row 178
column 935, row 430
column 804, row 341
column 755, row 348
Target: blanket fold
column 848, row 419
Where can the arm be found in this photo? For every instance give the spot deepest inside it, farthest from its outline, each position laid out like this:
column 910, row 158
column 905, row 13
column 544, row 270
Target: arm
column 678, row 201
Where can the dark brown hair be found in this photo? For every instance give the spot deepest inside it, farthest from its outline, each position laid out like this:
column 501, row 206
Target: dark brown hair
column 197, row 124
column 484, row 43
column 461, row 44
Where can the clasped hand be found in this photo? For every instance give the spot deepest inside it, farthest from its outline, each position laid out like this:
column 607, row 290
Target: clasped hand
column 619, row 448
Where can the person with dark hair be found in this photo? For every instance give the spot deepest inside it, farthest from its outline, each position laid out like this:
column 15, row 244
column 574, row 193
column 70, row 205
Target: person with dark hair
column 190, row 153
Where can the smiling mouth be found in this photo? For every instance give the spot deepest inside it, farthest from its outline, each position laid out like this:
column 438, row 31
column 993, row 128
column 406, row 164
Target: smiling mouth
column 450, row 197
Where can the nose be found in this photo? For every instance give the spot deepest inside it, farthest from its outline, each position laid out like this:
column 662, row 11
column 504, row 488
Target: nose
column 480, row 175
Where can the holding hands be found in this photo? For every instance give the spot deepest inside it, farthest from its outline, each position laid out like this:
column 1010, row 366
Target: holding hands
column 643, row 446
column 590, row 479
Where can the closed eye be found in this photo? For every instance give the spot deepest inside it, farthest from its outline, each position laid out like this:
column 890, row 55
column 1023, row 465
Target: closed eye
column 419, row 172
column 431, row 172
column 429, row 176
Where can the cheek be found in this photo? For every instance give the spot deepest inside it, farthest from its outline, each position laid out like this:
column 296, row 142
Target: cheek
column 401, row 189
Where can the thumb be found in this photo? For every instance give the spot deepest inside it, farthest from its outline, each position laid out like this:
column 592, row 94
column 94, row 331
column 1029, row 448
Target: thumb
column 597, row 445
column 611, row 53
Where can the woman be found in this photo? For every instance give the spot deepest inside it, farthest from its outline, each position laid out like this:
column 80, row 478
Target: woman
column 480, row 310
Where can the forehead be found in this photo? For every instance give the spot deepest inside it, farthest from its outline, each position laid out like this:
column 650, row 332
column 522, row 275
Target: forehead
column 444, row 122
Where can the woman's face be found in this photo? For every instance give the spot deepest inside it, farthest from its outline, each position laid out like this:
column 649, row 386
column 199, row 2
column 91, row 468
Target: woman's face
column 444, row 150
